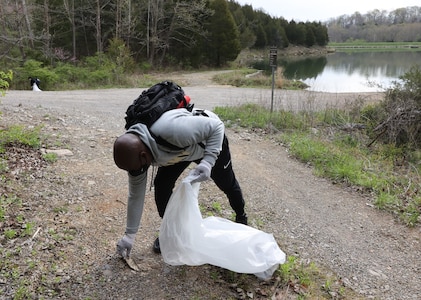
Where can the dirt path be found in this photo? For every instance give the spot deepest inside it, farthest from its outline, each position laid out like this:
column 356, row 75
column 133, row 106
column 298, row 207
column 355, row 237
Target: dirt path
column 310, row 217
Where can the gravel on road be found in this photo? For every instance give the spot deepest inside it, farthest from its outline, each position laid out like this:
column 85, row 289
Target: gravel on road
column 310, row 217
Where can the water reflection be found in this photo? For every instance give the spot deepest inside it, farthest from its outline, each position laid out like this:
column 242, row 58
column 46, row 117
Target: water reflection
column 305, row 68
column 350, row 72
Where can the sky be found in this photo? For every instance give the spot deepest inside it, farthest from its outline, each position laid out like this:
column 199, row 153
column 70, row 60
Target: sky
column 323, row 10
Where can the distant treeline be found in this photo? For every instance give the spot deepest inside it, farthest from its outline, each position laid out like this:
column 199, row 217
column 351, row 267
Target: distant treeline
column 258, row 29
column 400, row 25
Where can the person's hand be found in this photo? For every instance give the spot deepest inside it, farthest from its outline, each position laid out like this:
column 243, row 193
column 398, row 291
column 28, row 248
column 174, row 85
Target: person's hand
column 125, row 244
column 202, row 172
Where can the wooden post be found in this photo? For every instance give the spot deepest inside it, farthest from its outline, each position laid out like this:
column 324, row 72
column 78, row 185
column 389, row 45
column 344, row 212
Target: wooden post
column 272, row 62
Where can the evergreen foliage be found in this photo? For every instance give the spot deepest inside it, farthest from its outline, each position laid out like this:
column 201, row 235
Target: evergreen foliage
column 224, row 42
column 145, row 33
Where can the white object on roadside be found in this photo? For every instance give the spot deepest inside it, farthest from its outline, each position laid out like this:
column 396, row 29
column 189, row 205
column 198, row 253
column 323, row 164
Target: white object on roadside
column 35, row 88
column 186, row 238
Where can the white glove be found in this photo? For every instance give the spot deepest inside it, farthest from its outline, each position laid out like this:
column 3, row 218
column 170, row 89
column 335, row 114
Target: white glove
column 202, row 172
column 125, row 244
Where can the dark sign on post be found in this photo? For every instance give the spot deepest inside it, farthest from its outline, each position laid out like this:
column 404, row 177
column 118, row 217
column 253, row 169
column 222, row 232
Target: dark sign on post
column 273, row 53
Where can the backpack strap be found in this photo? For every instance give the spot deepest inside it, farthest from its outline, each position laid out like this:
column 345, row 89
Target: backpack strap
column 201, row 112
column 159, row 140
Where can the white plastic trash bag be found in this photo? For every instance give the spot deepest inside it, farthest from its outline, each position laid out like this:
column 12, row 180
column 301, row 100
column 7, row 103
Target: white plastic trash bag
column 186, row 238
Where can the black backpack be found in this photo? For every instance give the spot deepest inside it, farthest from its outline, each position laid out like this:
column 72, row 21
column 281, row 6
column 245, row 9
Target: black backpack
column 153, row 102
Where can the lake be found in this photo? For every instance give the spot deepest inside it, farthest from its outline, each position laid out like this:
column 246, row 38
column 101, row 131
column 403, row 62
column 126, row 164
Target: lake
column 351, row 71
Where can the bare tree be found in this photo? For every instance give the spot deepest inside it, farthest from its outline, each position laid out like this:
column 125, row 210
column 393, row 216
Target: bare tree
column 179, row 24
column 20, row 27
column 377, row 26
column 118, row 17
column 69, row 7
column 155, row 14
column 47, row 24
column 28, row 23
column 98, row 35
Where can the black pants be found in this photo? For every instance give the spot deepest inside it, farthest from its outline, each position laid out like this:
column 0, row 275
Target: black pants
column 222, row 174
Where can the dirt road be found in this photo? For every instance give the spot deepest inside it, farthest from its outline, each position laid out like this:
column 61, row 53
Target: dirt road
column 206, row 96
column 310, row 217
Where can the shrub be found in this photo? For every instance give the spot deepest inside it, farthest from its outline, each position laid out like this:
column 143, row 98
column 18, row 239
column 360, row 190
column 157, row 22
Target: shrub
column 33, row 68
column 103, row 70
column 71, row 73
column 4, row 81
column 402, row 111
column 120, row 53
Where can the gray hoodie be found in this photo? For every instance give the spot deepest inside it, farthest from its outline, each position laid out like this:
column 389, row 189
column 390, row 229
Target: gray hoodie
column 198, row 136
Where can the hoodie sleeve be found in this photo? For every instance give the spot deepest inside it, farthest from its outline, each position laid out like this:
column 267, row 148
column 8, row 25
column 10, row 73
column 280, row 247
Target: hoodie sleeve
column 135, row 201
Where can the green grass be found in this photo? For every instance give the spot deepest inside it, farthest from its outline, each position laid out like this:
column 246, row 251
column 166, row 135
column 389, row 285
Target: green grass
column 10, row 204
column 19, row 135
column 252, row 115
column 50, row 157
column 19, row 226
column 310, row 281
column 341, row 156
column 239, row 78
column 374, row 44
column 339, row 161
column 379, row 46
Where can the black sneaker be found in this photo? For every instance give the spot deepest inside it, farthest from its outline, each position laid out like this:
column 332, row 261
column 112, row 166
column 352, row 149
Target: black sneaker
column 156, row 247
column 241, row 219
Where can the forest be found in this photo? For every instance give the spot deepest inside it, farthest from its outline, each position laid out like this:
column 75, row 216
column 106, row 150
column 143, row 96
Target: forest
column 400, row 25
column 99, row 42
column 188, row 33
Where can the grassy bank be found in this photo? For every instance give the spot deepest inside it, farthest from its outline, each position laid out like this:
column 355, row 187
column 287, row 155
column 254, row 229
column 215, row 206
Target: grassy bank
column 383, row 46
column 335, row 142
column 374, row 149
column 258, row 79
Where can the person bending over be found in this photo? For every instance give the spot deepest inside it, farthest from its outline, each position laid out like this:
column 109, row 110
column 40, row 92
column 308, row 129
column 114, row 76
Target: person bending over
column 178, row 138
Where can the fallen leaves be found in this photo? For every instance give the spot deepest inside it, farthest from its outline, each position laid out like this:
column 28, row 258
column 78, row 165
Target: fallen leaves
column 131, row 263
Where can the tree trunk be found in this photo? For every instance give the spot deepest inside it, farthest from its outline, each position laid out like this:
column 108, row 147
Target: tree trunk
column 70, row 13
column 155, row 13
column 47, row 36
column 73, row 30
column 20, row 35
column 98, row 27
column 129, row 22
column 28, row 24
column 118, row 19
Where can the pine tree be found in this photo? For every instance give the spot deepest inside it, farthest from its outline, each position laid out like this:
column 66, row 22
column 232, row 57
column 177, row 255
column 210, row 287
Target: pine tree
column 224, row 42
